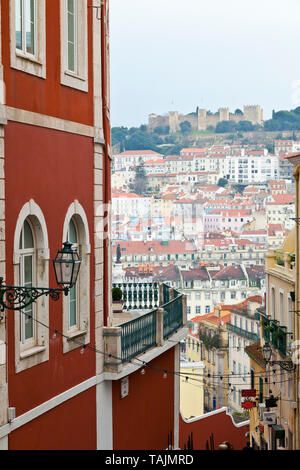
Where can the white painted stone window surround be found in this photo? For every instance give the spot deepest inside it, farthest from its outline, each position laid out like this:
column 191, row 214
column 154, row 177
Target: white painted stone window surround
column 36, row 351
column 80, row 333
column 78, row 77
column 34, row 64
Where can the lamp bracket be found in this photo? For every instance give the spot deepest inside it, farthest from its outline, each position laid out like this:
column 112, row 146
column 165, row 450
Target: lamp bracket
column 19, row 297
column 285, row 365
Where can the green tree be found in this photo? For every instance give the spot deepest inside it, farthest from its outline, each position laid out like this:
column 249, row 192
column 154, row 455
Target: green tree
column 140, row 182
column 185, row 127
column 162, row 130
column 140, row 140
column 222, row 182
column 226, row 126
column 245, row 126
column 118, row 136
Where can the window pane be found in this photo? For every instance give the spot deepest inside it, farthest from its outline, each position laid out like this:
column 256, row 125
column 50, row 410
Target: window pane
column 72, row 232
column 28, row 270
column 28, row 322
column 18, row 20
column 71, row 6
column 73, row 306
column 29, row 25
column 28, row 237
column 28, row 311
column 71, row 35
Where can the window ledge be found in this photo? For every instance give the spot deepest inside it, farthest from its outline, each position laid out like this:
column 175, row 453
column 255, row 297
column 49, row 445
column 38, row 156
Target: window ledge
column 76, row 334
column 28, row 57
column 32, row 351
column 74, row 75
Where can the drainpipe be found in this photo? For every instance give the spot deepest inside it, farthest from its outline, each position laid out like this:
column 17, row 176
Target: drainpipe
column 106, row 162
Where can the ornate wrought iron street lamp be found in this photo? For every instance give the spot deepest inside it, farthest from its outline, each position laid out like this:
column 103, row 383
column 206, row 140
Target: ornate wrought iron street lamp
column 66, row 266
column 267, row 354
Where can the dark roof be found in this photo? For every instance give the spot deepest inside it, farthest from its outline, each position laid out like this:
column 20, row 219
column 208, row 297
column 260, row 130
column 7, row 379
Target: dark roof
column 255, row 272
column 254, row 351
column 229, row 272
column 194, row 274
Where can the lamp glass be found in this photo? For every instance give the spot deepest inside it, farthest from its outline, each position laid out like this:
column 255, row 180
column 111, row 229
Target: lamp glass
column 67, row 265
column 267, row 352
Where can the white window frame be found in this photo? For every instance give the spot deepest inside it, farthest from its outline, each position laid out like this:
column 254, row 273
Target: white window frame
column 34, row 64
column 33, row 352
column 23, row 51
column 80, row 333
column 74, row 247
column 24, row 253
column 79, row 78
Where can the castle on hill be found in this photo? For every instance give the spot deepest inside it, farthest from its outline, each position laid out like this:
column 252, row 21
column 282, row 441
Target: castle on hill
column 202, row 119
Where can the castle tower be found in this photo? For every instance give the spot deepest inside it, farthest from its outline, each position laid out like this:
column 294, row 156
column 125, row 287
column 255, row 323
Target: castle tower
column 173, row 121
column 254, row 114
column 223, row 114
column 201, row 119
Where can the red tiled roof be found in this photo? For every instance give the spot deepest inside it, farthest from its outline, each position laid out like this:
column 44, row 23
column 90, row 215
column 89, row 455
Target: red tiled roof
column 139, row 247
column 139, row 152
column 282, row 199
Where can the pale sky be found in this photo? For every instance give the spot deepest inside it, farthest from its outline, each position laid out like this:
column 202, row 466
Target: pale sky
column 180, row 54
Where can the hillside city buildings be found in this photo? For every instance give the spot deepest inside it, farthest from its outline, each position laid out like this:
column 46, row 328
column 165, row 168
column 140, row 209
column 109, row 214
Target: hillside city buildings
column 219, row 225
column 73, row 374
column 147, row 301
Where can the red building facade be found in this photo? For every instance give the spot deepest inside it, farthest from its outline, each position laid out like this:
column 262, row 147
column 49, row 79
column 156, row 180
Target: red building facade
column 56, row 391
column 54, row 154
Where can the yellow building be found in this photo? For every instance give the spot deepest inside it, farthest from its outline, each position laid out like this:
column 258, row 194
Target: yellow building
column 278, row 326
column 191, row 389
column 258, row 431
column 211, row 349
column 294, row 158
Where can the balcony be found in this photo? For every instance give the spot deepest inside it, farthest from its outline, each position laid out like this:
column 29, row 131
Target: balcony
column 246, row 313
column 244, row 333
column 277, row 335
column 141, row 294
column 140, row 332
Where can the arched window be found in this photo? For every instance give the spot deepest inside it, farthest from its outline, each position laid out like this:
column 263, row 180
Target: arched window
column 27, row 275
column 31, row 268
column 73, row 295
column 76, row 306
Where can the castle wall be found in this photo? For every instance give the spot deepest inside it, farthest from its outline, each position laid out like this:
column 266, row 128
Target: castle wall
column 201, row 120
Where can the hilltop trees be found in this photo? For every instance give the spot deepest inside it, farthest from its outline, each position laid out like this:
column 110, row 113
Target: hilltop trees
column 284, row 120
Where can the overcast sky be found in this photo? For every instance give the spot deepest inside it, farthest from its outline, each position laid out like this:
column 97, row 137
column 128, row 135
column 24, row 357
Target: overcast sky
column 180, row 54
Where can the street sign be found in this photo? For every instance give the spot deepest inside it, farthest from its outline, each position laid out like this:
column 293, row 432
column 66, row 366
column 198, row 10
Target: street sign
column 269, row 417
column 247, row 404
column 251, row 392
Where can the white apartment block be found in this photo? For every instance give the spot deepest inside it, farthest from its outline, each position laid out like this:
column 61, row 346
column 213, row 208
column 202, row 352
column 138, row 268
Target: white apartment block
column 132, row 158
column 131, row 205
column 252, row 168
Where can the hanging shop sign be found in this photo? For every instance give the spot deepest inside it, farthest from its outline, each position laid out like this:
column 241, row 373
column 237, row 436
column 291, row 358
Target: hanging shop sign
column 247, row 404
column 251, row 392
column 269, row 417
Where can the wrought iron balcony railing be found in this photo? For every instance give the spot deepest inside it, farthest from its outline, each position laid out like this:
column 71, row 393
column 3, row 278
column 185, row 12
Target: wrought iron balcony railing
column 138, row 335
column 277, row 335
column 132, row 338
column 241, row 332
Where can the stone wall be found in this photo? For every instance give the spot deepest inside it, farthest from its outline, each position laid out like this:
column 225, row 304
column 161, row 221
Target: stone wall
column 201, row 120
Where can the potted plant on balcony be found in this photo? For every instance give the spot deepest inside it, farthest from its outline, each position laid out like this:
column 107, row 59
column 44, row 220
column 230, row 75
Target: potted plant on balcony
column 117, row 301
